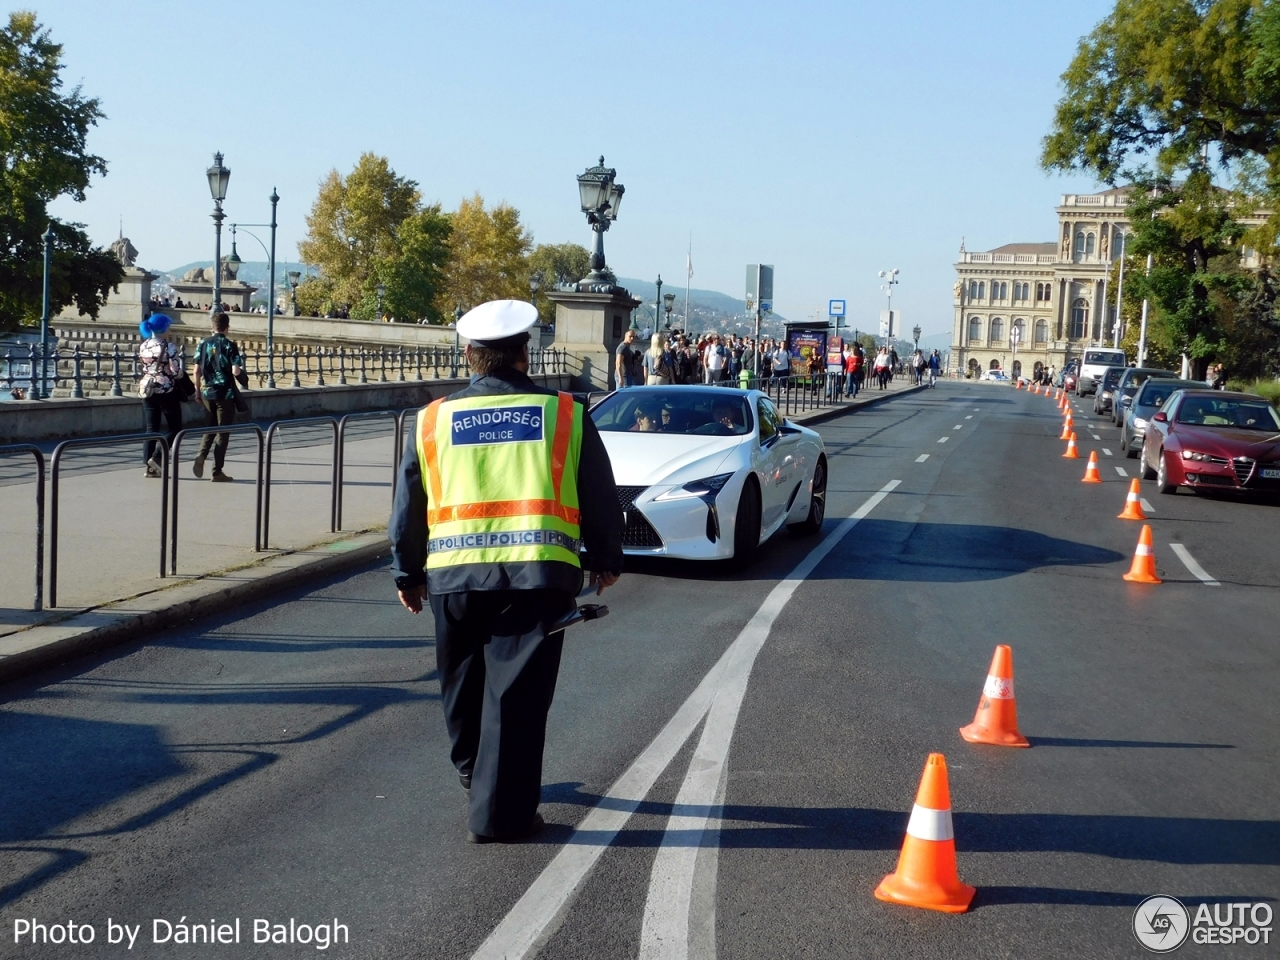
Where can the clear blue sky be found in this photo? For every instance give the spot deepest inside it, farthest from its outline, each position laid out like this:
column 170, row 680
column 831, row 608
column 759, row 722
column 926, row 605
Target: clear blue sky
column 832, row 140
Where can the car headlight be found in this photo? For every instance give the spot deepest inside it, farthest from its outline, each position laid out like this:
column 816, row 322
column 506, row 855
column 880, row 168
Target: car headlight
column 1202, row 457
column 705, row 489
column 1139, row 423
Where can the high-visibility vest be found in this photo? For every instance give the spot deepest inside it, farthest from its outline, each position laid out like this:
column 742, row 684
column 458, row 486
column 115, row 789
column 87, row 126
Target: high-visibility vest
column 501, row 478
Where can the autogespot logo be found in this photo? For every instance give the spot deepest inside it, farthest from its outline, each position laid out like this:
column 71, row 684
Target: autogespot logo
column 1161, row 924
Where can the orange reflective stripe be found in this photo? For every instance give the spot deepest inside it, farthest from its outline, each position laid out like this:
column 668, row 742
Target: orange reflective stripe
column 502, row 508
column 428, row 440
column 560, row 444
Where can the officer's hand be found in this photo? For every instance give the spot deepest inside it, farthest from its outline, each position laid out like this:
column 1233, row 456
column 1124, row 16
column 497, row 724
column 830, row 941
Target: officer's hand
column 602, row 580
column 412, row 598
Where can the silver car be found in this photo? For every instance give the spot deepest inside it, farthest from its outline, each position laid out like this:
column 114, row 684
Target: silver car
column 1149, row 398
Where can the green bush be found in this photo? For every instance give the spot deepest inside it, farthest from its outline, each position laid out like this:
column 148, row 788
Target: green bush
column 1264, row 388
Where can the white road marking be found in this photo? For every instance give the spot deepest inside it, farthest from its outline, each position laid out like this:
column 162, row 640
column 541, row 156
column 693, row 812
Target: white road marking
column 969, row 417
column 1095, row 436
column 958, row 426
column 537, row 914
column 1189, row 562
column 664, row 932
column 922, row 458
column 1122, row 471
column 1146, row 506
column 944, row 439
column 1107, row 452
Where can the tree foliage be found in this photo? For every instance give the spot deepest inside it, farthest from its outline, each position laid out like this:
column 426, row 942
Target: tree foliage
column 43, row 156
column 557, row 263
column 489, row 258
column 415, row 279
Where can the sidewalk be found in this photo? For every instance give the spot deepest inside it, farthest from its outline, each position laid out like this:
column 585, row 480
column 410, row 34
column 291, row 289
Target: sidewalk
column 109, row 590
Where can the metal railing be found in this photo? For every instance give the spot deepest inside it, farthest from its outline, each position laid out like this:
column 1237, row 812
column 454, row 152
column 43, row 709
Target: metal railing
column 396, row 424
column 13, row 449
column 272, row 431
column 82, row 371
column 56, row 462
column 172, row 477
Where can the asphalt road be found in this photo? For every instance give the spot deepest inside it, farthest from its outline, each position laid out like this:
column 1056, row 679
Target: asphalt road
column 289, row 761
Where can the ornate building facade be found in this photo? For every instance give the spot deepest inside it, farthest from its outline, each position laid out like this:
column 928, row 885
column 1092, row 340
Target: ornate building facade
column 1026, row 306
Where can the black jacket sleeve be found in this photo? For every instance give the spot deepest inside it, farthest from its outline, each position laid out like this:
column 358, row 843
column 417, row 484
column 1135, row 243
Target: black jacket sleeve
column 407, row 527
column 601, row 516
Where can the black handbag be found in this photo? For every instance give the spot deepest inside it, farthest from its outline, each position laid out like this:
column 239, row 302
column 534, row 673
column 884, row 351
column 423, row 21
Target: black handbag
column 184, row 387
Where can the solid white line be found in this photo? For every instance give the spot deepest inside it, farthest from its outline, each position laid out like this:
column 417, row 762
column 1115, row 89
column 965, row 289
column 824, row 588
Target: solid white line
column 537, row 913
column 1189, row 562
column 1146, row 506
column 1122, row 471
column 922, row 458
column 664, row 932
column 944, row 439
column 1107, row 452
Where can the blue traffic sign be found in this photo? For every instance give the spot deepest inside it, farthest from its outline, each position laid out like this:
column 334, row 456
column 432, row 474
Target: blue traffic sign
column 835, row 308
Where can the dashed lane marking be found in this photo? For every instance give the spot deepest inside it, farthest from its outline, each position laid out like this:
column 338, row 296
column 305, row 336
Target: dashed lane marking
column 1195, row 569
column 922, row 458
column 1107, row 452
column 1122, row 471
column 969, row 417
column 944, row 439
column 1095, row 436
column 1146, row 506
column 958, row 426
column 537, row 913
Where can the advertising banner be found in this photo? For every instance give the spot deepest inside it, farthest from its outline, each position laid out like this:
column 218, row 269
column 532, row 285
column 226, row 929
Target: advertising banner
column 801, row 345
column 835, row 351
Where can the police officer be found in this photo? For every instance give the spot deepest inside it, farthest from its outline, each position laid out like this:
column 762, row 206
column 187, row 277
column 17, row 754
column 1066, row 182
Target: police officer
column 500, row 485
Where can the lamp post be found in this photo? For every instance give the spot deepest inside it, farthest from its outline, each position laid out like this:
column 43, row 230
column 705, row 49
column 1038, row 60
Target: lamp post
column 1119, row 296
column 891, row 280
column 219, row 176
column 657, row 304
column 233, row 261
column 381, row 291
column 535, row 284
column 668, row 299
column 42, row 392
column 233, row 266
column 915, row 333
column 294, row 277
column 457, row 343
column 600, row 195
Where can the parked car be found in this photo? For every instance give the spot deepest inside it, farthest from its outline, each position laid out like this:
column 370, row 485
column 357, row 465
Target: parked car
column 1095, row 362
column 1070, row 370
column 1102, row 397
column 998, row 375
column 1148, row 401
column 1130, row 381
column 1213, row 439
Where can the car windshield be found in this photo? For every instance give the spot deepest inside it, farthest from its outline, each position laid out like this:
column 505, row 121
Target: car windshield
column 1228, row 412
column 1112, row 377
column 680, row 411
column 1108, row 357
column 1158, row 389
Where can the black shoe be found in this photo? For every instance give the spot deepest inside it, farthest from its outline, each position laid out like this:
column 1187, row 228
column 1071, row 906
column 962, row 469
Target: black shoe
column 465, row 780
column 533, row 830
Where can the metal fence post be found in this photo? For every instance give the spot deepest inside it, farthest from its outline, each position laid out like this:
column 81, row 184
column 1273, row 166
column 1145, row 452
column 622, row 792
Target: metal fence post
column 38, row 597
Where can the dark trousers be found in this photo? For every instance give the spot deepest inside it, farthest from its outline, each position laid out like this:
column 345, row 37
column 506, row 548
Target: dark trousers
column 153, row 407
column 222, row 413
column 497, row 678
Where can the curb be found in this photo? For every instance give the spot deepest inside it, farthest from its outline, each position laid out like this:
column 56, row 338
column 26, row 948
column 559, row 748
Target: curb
column 86, row 632
column 821, row 416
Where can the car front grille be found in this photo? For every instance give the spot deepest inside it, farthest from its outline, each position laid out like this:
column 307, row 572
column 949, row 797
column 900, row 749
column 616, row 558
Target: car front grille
column 1243, row 467
column 638, row 531
column 1213, row 480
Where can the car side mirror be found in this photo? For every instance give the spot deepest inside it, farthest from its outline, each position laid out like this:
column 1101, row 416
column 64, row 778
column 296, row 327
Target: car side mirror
column 788, row 428
column 1160, row 417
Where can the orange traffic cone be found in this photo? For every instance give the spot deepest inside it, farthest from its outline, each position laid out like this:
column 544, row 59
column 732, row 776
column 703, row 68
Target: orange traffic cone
column 1067, row 424
column 1144, row 560
column 1072, row 453
column 1017, row 383
column 1091, row 471
column 1133, row 503
column 926, row 875
column 996, row 721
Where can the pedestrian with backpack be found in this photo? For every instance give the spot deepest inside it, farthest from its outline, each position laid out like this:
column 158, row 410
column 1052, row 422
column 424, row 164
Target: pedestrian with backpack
column 217, row 368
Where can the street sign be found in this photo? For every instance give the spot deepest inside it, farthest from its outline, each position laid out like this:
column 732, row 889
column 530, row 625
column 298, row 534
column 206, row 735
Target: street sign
column 835, row 308
column 890, row 323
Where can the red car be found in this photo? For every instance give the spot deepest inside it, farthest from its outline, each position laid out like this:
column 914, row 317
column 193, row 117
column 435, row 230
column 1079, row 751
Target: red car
column 1213, row 439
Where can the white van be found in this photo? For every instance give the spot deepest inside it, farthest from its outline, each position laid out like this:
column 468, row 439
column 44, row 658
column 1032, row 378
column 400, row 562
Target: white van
column 1095, row 361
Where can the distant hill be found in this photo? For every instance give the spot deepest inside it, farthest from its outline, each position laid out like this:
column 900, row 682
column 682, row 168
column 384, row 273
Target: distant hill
column 251, row 271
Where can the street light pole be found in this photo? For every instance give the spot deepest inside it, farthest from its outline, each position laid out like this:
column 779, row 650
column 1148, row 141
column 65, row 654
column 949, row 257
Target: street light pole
column 600, row 196
column 44, row 390
column 219, row 176
column 1119, row 296
column 271, row 297
column 457, row 343
column 381, row 291
column 891, row 280
column 657, row 303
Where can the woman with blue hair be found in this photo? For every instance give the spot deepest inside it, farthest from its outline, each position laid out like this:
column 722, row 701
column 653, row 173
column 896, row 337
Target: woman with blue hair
column 160, row 367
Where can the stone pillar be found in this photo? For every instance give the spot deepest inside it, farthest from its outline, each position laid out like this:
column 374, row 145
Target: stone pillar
column 590, row 321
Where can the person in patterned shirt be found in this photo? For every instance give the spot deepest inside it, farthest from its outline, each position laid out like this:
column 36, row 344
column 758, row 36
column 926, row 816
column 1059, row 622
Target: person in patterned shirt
column 216, row 368
column 160, row 367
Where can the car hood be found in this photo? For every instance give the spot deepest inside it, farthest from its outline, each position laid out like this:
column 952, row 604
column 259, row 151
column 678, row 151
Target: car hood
column 643, row 459
column 1227, row 442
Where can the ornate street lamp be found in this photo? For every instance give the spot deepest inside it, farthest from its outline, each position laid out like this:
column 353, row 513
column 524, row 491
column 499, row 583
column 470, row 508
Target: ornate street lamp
column 667, row 300
column 457, row 344
column 233, row 261
column 219, row 176
column 381, row 291
column 891, row 280
column 915, row 332
column 535, row 284
column 601, row 195
column 294, row 277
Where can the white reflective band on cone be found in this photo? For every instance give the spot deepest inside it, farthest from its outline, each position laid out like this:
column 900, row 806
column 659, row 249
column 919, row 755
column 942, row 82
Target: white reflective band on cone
column 998, row 688
column 927, row 824
column 1143, row 550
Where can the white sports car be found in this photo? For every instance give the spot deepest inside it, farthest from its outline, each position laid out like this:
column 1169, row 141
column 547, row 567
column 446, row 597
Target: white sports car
column 709, row 473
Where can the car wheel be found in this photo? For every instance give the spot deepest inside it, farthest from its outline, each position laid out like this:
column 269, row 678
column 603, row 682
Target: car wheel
column 1127, row 445
column 1147, row 472
column 1162, row 477
column 812, row 522
column 746, row 530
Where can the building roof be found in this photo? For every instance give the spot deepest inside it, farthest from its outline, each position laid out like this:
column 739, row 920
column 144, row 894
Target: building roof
column 1026, row 248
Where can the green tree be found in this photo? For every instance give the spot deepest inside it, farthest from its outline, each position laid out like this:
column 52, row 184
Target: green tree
column 415, row 279
column 353, row 228
column 557, row 263
column 42, row 156
column 489, row 256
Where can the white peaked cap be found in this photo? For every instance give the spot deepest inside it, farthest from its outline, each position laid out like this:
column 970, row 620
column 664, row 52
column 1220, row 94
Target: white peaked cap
column 497, row 320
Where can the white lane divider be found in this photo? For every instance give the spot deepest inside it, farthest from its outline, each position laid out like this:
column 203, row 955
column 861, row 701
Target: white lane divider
column 664, row 933
column 969, row 417
column 944, row 439
column 1146, row 506
column 1107, row 452
column 922, row 458
column 1095, row 436
column 1122, row 471
column 958, row 426
column 1194, row 568
column 537, row 913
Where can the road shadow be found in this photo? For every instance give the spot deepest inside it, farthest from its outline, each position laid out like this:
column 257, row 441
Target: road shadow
column 1057, row 896
column 1137, row 744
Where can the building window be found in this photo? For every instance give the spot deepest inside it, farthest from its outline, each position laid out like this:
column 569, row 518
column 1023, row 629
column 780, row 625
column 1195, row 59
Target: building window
column 997, row 330
column 1042, row 331
column 1044, row 292
column 1003, row 293
column 1016, row 369
column 1080, row 243
column 1079, row 318
column 1088, row 245
column 975, row 330
column 1019, row 325
column 995, row 364
column 973, row 289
